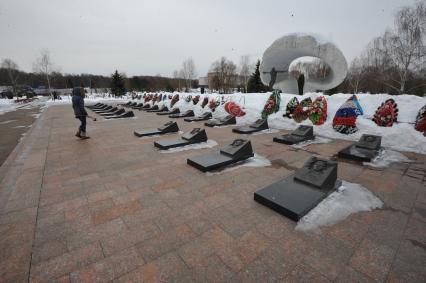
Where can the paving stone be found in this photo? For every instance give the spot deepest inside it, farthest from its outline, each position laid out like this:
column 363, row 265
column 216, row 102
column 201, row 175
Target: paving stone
column 153, row 248
column 167, row 268
column 409, row 264
column 211, row 269
column 373, row 260
column 122, row 200
column 115, row 212
column 128, row 238
column 66, row 263
column 109, row 268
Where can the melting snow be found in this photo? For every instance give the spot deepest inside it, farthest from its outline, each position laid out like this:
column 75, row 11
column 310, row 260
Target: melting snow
column 314, row 141
column 255, row 161
column 348, row 199
column 386, row 157
column 208, row 144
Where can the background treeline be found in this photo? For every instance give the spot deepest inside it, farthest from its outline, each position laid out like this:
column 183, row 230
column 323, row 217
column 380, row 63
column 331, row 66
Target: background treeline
column 60, row 81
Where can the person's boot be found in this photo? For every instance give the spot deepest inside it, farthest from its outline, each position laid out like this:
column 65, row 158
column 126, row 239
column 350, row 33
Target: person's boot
column 78, row 134
column 83, row 136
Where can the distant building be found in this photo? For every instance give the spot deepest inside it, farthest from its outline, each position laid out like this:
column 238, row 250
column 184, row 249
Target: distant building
column 203, row 82
column 209, row 81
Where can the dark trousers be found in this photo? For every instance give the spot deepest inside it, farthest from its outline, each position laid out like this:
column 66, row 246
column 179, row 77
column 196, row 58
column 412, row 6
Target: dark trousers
column 83, row 123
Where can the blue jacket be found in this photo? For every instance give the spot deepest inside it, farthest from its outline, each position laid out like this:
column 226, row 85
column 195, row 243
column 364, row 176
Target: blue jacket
column 78, row 103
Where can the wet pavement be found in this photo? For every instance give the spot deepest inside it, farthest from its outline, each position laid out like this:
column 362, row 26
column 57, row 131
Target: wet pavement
column 13, row 125
column 115, row 209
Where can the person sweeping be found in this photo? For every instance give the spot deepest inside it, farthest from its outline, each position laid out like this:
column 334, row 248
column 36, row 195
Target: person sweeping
column 79, row 111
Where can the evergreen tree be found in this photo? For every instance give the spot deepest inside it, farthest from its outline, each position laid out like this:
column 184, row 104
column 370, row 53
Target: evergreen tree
column 255, row 83
column 117, row 84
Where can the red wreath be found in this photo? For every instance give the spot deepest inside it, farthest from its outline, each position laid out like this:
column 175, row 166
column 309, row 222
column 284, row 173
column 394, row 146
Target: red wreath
column 196, row 99
column 234, row 109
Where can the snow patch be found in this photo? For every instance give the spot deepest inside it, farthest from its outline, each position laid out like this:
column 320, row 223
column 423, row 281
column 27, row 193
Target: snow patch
column 267, row 131
column 208, row 144
column 255, row 161
column 7, row 122
column 387, row 157
column 348, row 199
column 314, row 141
column 159, row 136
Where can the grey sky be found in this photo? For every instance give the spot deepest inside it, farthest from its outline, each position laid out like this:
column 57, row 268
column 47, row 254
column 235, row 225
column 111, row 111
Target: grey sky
column 154, row 37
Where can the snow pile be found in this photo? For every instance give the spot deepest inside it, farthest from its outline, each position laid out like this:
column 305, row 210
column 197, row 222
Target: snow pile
column 402, row 136
column 7, row 105
column 267, row 131
column 314, row 141
column 386, row 157
column 207, row 144
column 255, row 161
column 90, row 99
column 348, row 199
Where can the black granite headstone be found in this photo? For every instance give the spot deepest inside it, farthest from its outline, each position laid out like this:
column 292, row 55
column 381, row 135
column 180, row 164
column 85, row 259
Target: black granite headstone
column 169, row 127
column 202, row 117
column 297, row 194
column 95, row 105
column 228, row 120
column 161, row 109
column 137, row 106
column 197, row 135
column 238, row 150
column 100, row 107
column 103, row 109
column 118, row 112
column 173, row 111
column 112, row 110
column 318, row 172
column 366, row 149
column 128, row 114
column 369, row 142
column 259, row 125
column 188, row 113
column 131, row 104
column 302, row 133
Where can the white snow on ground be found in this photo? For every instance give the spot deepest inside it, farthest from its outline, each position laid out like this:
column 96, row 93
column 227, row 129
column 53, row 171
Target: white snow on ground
column 402, row 136
column 7, row 122
column 386, row 157
column 255, row 161
column 90, row 99
column 7, row 105
column 267, row 131
column 348, row 199
column 314, row 141
column 207, row 144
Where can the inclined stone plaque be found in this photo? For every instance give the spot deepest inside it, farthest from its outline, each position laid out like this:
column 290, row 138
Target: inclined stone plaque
column 295, row 195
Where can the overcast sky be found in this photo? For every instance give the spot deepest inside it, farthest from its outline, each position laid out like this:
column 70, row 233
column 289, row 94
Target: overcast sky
column 142, row 37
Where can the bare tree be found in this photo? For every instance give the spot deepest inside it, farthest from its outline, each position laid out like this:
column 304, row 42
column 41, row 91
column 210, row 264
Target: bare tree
column 246, row 68
column 224, row 76
column 355, row 74
column 178, row 75
column 310, row 67
column 12, row 71
column 405, row 47
column 188, row 72
column 44, row 66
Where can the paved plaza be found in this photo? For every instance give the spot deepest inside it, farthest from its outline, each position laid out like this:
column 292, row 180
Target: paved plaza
column 114, row 208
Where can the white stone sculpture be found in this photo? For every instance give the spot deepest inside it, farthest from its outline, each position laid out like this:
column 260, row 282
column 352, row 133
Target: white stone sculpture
column 274, row 69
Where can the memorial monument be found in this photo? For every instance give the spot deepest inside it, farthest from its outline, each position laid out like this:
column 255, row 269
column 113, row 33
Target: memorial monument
column 276, row 60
